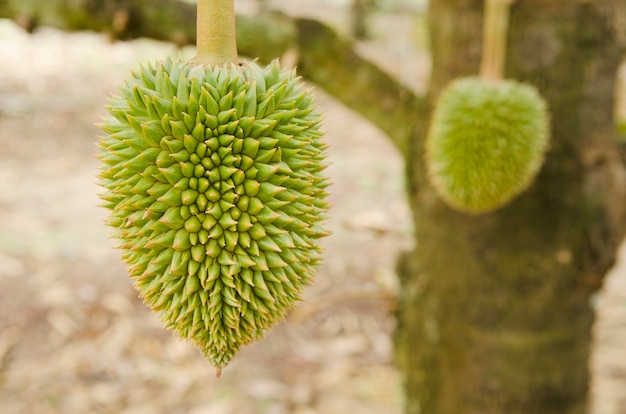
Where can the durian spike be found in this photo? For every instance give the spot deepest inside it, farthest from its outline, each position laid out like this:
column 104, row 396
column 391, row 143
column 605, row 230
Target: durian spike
column 495, row 31
column 215, row 40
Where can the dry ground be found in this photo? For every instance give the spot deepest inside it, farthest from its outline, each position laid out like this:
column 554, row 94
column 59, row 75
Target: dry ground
column 74, row 338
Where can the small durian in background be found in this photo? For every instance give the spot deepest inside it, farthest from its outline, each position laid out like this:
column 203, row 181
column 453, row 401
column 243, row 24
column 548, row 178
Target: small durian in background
column 488, row 136
column 213, row 175
column 486, row 142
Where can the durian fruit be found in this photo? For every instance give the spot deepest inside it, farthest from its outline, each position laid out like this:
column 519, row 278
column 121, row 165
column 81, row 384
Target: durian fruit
column 486, row 142
column 488, row 136
column 214, row 181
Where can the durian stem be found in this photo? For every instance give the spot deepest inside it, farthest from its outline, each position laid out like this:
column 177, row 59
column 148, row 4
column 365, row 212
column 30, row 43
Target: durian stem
column 495, row 34
column 216, row 41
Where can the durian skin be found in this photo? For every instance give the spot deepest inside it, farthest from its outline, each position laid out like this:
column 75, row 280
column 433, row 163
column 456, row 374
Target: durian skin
column 214, row 181
column 486, row 142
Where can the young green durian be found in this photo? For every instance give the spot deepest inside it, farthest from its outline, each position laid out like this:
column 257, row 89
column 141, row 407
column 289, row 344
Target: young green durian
column 488, row 136
column 214, row 178
column 486, row 142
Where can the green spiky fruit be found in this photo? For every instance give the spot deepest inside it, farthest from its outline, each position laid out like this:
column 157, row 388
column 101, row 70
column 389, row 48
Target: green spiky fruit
column 214, row 178
column 486, row 142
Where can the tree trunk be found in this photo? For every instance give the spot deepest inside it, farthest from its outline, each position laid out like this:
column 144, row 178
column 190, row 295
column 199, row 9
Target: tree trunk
column 495, row 313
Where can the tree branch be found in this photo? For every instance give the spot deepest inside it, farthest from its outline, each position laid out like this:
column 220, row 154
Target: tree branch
column 123, row 19
column 328, row 61
column 324, row 58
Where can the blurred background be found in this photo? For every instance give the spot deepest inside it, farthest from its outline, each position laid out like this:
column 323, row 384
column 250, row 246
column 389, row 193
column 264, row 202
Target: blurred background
column 74, row 337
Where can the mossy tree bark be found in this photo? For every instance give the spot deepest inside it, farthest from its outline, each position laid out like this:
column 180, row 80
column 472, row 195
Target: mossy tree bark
column 495, row 313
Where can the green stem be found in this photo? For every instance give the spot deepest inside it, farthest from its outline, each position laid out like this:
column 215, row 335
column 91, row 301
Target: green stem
column 495, row 33
column 215, row 40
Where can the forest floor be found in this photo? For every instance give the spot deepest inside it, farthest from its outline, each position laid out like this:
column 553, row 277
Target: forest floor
column 74, row 337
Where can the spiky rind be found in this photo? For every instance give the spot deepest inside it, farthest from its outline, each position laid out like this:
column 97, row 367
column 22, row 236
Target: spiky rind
column 486, row 142
column 214, row 178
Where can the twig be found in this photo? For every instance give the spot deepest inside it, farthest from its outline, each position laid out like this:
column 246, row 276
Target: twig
column 495, row 34
column 216, row 40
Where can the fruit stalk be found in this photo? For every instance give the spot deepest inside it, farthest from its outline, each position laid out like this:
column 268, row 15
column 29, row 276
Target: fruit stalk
column 495, row 31
column 215, row 40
